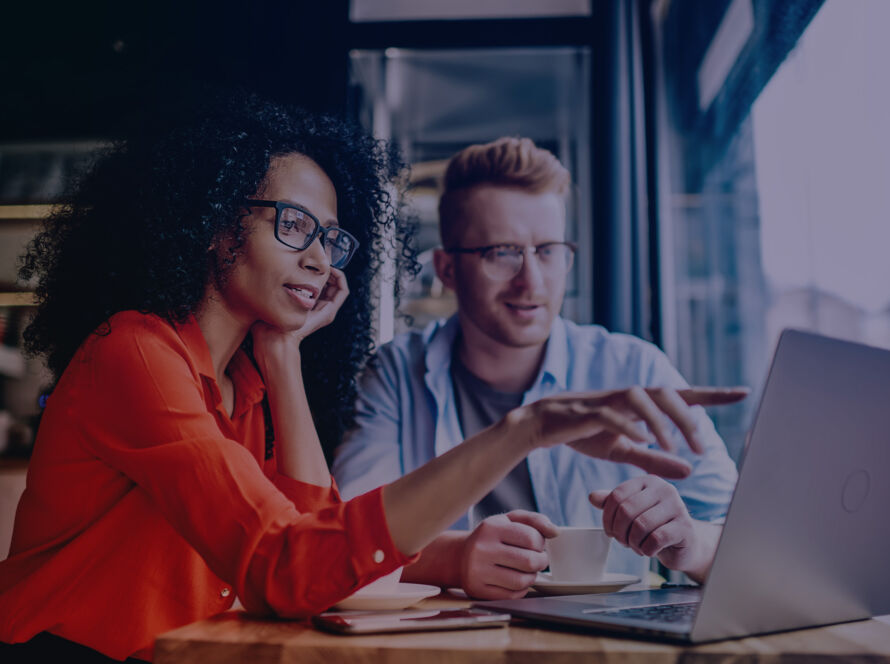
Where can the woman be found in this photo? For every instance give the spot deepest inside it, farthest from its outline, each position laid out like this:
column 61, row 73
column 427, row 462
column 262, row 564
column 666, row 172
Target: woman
column 177, row 465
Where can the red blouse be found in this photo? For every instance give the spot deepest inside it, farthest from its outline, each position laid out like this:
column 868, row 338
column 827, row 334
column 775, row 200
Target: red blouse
column 147, row 507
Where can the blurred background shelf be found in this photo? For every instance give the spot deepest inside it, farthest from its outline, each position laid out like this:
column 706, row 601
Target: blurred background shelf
column 24, row 212
column 17, row 299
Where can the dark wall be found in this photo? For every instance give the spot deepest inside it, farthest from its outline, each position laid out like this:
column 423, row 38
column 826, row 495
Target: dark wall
column 81, row 69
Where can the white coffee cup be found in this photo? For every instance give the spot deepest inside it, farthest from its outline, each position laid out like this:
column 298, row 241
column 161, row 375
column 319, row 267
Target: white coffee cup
column 578, row 554
column 385, row 585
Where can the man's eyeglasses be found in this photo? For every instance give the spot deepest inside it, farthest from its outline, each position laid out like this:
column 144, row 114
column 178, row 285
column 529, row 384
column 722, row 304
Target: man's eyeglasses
column 504, row 261
column 298, row 228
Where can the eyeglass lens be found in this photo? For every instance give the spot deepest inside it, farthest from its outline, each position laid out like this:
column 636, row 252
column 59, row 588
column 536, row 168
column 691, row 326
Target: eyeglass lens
column 295, row 228
column 506, row 262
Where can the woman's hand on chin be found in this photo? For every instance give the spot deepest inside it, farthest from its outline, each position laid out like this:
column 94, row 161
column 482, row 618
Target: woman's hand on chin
column 274, row 345
column 331, row 298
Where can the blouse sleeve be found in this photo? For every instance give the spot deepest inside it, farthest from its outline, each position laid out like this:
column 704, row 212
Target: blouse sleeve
column 306, row 497
column 144, row 413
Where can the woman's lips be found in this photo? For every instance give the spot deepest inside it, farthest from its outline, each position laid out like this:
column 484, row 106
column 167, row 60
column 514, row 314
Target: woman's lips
column 304, row 294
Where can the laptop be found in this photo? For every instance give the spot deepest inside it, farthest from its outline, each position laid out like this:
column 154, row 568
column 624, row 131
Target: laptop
column 806, row 540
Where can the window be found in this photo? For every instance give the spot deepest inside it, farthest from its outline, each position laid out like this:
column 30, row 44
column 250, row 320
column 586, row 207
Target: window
column 775, row 164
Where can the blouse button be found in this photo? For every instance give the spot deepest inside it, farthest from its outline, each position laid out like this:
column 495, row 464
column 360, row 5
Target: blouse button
column 378, row 556
column 225, row 592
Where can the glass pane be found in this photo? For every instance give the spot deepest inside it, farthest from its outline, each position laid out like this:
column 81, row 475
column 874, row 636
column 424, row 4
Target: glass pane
column 784, row 223
column 433, row 103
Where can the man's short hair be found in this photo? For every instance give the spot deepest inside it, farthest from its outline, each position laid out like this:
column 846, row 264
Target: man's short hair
column 507, row 162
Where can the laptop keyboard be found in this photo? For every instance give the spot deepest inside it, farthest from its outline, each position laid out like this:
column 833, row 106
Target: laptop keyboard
column 671, row 613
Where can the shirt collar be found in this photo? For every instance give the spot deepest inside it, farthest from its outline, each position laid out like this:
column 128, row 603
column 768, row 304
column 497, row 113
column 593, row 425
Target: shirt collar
column 194, row 341
column 556, row 355
column 439, row 341
column 249, row 386
column 438, row 338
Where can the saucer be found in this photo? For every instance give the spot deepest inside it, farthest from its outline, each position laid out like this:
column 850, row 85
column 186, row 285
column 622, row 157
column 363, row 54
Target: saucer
column 403, row 596
column 609, row 583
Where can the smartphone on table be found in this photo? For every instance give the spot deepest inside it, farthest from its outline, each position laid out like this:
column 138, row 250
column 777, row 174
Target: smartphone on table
column 375, row 622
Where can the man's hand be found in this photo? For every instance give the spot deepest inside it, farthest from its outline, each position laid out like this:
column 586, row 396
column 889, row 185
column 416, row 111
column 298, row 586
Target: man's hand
column 502, row 556
column 647, row 515
column 606, row 425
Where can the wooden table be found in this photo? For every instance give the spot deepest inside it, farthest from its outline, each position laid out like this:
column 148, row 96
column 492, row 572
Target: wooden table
column 233, row 637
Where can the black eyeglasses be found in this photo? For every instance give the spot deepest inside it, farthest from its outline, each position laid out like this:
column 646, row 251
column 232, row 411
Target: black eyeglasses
column 298, row 228
column 504, row 261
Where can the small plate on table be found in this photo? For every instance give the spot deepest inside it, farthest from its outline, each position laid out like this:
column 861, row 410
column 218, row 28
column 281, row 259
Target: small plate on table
column 609, row 583
column 403, row 596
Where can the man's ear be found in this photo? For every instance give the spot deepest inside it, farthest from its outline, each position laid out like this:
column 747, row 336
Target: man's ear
column 444, row 264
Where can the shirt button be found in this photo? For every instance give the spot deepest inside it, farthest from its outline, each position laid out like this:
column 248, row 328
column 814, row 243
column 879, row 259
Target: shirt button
column 225, row 592
column 378, row 556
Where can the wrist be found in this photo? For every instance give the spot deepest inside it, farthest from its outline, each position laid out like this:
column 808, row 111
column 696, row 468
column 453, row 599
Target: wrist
column 458, row 558
column 519, row 427
column 705, row 539
column 441, row 561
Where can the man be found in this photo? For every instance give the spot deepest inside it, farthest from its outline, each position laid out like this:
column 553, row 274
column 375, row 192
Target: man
column 502, row 223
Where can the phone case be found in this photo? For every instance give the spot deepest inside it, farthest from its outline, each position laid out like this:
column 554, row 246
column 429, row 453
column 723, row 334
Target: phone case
column 375, row 622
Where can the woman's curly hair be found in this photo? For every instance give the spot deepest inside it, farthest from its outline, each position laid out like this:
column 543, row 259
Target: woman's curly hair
column 135, row 231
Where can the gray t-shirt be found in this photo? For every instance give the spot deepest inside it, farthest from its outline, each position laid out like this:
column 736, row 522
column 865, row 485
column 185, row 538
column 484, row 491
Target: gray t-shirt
column 479, row 406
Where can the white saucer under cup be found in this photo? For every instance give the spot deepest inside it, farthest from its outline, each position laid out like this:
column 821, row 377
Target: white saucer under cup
column 608, row 583
column 578, row 554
